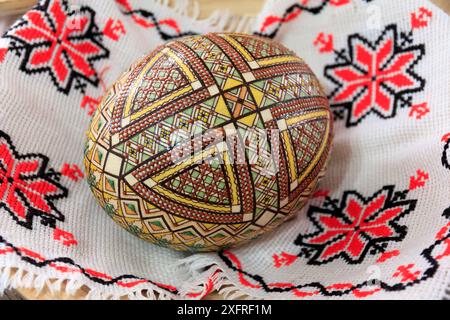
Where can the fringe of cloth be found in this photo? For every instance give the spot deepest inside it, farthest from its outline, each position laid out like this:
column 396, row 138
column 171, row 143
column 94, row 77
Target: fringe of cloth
column 210, row 277
column 221, row 19
column 206, row 278
column 26, row 278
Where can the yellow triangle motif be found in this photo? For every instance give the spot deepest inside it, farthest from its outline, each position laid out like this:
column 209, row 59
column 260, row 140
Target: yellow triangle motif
column 221, row 107
column 258, row 95
column 208, row 226
column 178, row 220
column 249, row 120
column 231, row 83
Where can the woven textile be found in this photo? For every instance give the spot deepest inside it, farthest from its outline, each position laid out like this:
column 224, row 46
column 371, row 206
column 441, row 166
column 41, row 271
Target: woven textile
column 377, row 227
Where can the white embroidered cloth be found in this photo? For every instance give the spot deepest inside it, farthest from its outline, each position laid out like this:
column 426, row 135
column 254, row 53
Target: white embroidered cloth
column 378, row 227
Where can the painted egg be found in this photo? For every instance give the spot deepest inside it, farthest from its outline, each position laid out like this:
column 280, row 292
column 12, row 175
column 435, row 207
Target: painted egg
column 209, row 141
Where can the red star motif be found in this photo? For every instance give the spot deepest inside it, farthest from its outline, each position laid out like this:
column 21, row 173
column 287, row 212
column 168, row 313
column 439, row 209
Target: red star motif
column 377, row 76
column 60, row 42
column 359, row 224
column 25, row 188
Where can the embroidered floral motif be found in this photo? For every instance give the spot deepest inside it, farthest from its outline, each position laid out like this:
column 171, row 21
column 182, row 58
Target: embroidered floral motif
column 357, row 225
column 27, row 187
column 60, row 41
column 404, row 277
column 375, row 77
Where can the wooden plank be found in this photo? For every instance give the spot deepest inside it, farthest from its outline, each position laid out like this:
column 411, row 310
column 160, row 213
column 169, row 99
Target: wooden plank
column 12, row 7
column 237, row 7
column 11, row 295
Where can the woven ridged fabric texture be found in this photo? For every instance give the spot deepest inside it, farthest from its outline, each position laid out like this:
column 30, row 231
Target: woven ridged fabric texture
column 377, row 227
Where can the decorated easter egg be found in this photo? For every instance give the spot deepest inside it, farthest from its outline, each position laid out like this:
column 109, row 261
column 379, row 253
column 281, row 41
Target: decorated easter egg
column 209, row 141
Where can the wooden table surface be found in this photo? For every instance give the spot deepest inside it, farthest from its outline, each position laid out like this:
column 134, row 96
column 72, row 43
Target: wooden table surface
column 246, row 7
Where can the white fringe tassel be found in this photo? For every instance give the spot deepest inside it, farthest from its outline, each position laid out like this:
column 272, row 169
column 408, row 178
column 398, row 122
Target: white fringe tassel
column 219, row 19
column 12, row 277
column 201, row 271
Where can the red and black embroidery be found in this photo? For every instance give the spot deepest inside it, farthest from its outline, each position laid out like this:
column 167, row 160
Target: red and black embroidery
column 355, row 226
column 446, row 151
column 62, row 42
column 375, row 77
column 380, row 217
column 67, row 265
column 167, row 28
column 405, row 276
column 445, row 160
column 272, row 24
column 28, row 188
